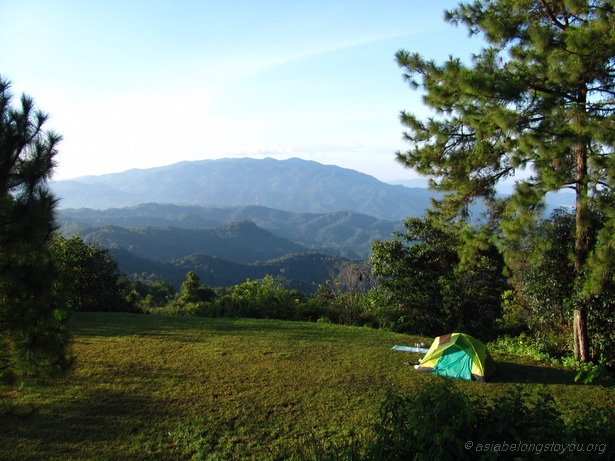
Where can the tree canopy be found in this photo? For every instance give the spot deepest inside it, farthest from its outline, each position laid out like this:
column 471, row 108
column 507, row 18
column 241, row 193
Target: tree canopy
column 433, row 289
column 536, row 104
column 89, row 276
column 32, row 336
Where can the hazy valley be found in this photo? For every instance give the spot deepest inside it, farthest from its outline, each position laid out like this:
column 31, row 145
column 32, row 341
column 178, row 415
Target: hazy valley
column 233, row 219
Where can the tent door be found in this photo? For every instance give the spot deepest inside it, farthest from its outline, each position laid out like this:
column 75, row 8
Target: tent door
column 454, row 363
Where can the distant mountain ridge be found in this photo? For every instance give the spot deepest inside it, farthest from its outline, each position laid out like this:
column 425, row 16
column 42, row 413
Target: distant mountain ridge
column 303, row 271
column 241, row 242
column 202, row 217
column 222, row 256
column 290, row 185
column 341, row 233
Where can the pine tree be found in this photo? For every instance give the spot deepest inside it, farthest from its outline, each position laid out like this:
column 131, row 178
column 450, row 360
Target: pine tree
column 32, row 338
column 537, row 103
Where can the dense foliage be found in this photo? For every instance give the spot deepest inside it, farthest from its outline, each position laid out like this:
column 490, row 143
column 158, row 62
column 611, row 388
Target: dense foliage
column 546, row 291
column 521, row 423
column 539, row 98
column 433, row 289
column 90, row 277
column 32, row 336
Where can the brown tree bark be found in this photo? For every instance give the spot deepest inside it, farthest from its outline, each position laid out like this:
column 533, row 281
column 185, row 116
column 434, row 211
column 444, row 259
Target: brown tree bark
column 582, row 233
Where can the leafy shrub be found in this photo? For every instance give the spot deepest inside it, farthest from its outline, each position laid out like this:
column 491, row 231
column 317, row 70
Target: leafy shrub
column 193, row 291
column 534, row 347
column 523, row 345
column 156, row 293
column 548, row 288
column 438, row 420
column 587, row 372
column 175, row 309
column 348, row 309
column 256, row 299
column 90, row 278
column 519, row 415
column 436, row 286
column 590, row 424
column 427, row 424
column 312, row 309
column 381, row 309
column 514, row 318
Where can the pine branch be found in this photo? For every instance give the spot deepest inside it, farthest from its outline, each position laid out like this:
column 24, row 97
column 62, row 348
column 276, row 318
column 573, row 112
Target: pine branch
column 553, row 17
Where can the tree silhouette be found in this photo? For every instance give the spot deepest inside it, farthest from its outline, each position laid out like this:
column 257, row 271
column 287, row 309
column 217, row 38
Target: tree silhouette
column 32, row 337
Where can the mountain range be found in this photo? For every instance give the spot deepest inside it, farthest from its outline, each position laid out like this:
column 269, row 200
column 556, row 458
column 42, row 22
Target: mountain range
column 289, row 185
column 342, row 233
column 224, row 246
column 299, row 271
column 232, row 219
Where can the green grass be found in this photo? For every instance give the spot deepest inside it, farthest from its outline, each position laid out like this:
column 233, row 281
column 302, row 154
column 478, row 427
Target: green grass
column 151, row 387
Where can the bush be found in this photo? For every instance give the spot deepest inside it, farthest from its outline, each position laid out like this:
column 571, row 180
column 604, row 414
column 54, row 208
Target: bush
column 90, row 277
column 312, row 309
column 519, row 415
column 153, row 294
column 431, row 423
column 590, row 425
column 256, row 299
column 439, row 421
column 523, row 345
column 548, row 288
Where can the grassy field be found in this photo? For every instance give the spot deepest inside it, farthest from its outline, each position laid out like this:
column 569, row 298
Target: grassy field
column 151, row 387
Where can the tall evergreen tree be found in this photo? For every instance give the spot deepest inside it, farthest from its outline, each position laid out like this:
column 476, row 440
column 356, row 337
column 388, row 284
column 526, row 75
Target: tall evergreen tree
column 32, row 338
column 538, row 98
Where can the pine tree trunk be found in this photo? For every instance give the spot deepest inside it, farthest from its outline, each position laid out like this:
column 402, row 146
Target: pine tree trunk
column 581, row 244
column 581, row 342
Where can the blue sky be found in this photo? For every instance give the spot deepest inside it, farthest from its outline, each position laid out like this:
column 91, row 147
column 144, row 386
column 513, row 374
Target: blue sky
column 144, row 83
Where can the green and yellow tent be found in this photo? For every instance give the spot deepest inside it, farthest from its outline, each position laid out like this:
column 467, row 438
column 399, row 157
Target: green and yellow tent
column 458, row 355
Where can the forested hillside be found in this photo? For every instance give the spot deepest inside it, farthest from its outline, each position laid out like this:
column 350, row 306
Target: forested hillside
column 341, row 233
column 222, row 218
column 222, row 256
column 303, row 271
column 242, row 242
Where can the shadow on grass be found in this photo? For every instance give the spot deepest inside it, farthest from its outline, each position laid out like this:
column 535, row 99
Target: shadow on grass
column 107, row 324
column 511, row 372
column 93, row 423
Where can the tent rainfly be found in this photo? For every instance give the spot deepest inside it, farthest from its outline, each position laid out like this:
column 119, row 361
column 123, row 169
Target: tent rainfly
column 458, row 355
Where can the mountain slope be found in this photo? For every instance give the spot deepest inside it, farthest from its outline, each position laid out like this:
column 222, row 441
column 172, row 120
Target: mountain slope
column 304, row 271
column 342, row 233
column 291, row 185
column 241, row 242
